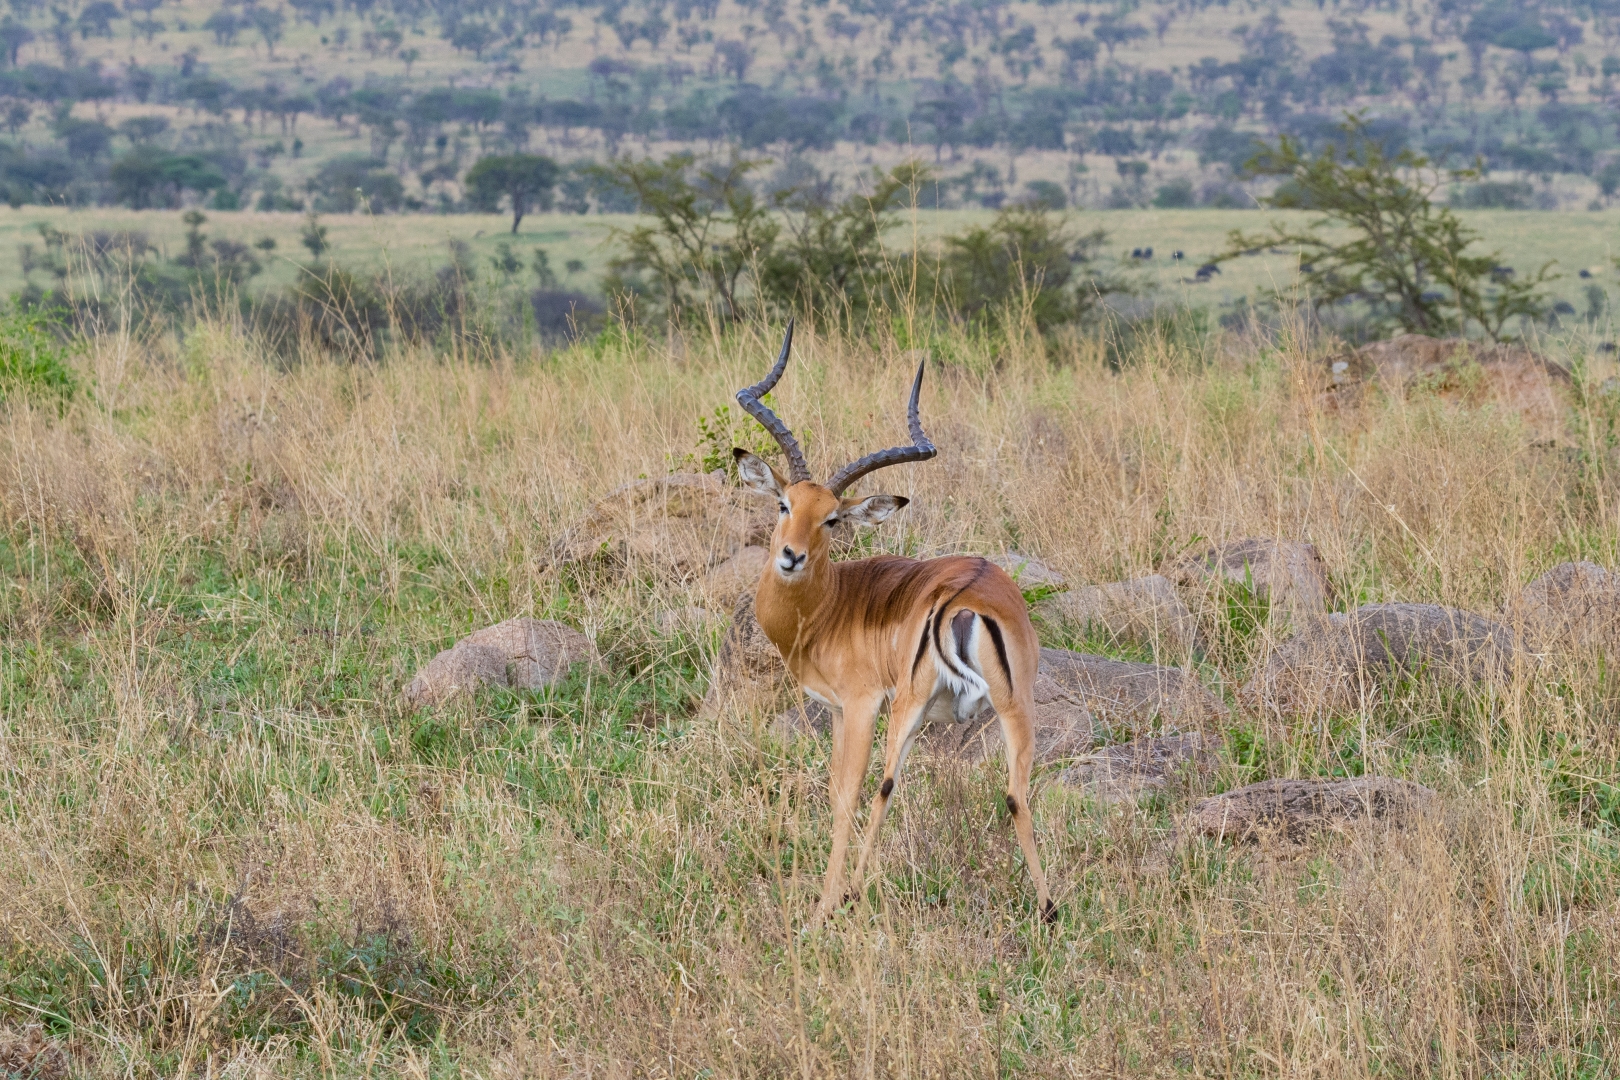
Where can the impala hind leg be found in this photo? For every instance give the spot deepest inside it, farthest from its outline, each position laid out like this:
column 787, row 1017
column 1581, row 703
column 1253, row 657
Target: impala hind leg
column 852, row 751
column 905, row 720
column 1018, row 732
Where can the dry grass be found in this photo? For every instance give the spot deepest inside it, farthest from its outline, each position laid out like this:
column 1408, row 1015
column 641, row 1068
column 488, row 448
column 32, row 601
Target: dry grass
column 225, row 849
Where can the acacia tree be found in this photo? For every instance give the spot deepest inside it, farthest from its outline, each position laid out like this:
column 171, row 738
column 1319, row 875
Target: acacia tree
column 1407, row 259
column 524, row 180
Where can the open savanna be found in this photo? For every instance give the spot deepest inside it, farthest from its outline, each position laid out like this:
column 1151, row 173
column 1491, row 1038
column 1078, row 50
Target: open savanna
column 227, row 849
column 417, row 244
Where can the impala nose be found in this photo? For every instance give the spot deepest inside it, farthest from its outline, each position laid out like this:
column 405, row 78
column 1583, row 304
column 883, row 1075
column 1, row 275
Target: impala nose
column 789, row 561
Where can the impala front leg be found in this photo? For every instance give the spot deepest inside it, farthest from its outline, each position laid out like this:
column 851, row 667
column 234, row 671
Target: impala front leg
column 852, row 750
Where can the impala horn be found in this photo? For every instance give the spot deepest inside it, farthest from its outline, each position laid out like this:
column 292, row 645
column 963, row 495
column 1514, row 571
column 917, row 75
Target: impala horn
column 919, row 450
column 749, row 397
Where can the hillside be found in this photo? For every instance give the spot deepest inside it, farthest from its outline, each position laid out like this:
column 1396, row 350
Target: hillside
column 385, row 105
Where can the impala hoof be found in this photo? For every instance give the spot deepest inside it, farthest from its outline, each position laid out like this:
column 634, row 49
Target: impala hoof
column 1049, row 913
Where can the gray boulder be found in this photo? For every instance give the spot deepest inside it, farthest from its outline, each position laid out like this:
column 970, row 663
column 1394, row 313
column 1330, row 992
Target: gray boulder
column 1125, row 772
column 1575, row 606
column 522, row 654
column 1147, row 610
column 1288, row 575
column 1135, row 697
column 1336, row 663
column 1292, row 809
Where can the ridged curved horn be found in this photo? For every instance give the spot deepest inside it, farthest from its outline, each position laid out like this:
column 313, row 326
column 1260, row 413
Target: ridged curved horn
column 919, row 450
column 748, row 398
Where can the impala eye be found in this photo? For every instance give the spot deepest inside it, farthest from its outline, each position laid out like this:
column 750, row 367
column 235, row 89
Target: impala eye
column 783, row 507
column 831, row 522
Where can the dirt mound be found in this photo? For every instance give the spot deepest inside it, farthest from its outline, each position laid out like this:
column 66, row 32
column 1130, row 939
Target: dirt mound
column 1127, row 771
column 1146, row 610
column 523, row 654
column 1339, row 661
column 1134, row 697
column 678, row 526
column 1573, row 606
column 1466, row 372
column 726, row 582
column 1288, row 575
column 1292, row 809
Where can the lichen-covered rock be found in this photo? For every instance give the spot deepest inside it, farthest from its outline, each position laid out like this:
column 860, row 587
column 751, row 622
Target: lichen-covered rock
column 1572, row 607
column 676, row 526
column 1125, row 772
column 1288, row 575
column 1292, row 809
column 1146, row 610
column 1139, row 698
column 748, row 673
column 1339, row 662
column 521, row 653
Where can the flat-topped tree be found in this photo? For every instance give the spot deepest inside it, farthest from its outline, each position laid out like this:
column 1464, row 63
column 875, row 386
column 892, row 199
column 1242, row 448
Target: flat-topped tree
column 524, row 180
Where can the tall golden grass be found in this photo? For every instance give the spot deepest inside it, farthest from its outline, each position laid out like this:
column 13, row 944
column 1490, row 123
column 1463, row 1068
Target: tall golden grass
column 226, row 849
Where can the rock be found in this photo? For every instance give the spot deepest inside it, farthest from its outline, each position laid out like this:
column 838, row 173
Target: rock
column 1288, row 575
column 523, row 654
column 678, row 526
column 726, row 583
column 1135, row 697
column 1571, row 607
column 1028, row 572
column 748, row 673
column 1146, row 610
column 1063, row 727
column 1127, row 771
column 1294, row 808
column 1466, row 372
column 1337, row 662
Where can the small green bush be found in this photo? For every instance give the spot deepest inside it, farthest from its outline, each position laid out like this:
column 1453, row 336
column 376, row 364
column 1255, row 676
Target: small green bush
column 32, row 360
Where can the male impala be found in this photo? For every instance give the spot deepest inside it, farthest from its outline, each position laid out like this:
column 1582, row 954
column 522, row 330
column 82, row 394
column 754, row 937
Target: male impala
column 887, row 630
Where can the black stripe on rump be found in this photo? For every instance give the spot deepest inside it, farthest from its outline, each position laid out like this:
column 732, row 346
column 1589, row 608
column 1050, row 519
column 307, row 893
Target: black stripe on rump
column 1001, row 647
column 922, row 646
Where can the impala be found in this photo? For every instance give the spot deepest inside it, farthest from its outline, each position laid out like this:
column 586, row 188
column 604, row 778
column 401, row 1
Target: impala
column 910, row 634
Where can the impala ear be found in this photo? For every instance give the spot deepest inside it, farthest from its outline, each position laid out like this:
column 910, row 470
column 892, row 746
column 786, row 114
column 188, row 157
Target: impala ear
column 757, row 473
column 872, row 511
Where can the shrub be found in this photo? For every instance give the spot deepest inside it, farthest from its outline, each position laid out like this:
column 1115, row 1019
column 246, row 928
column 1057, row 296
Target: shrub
column 32, row 360
column 1175, row 195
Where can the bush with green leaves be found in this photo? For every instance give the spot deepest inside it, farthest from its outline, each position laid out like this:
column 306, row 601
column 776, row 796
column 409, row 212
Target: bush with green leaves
column 1409, row 263
column 32, row 360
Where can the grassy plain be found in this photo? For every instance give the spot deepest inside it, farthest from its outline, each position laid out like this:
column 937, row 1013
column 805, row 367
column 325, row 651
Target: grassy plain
column 414, row 244
column 226, row 849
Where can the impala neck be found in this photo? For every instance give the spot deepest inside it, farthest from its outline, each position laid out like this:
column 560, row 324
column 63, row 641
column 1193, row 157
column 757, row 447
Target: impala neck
column 788, row 610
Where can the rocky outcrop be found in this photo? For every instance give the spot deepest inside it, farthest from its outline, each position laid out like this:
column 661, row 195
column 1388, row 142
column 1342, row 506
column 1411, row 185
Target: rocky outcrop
column 1292, row 809
column 1138, row 698
column 1029, row 572
column 1340, row 661
column 677, row 527
column 521, row 654
column 1123, row 773
column 1145, row 610
column 1571, row 608
column 1288, row 575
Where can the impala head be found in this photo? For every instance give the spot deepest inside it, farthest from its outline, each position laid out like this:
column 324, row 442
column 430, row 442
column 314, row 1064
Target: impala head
column 807, row 511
